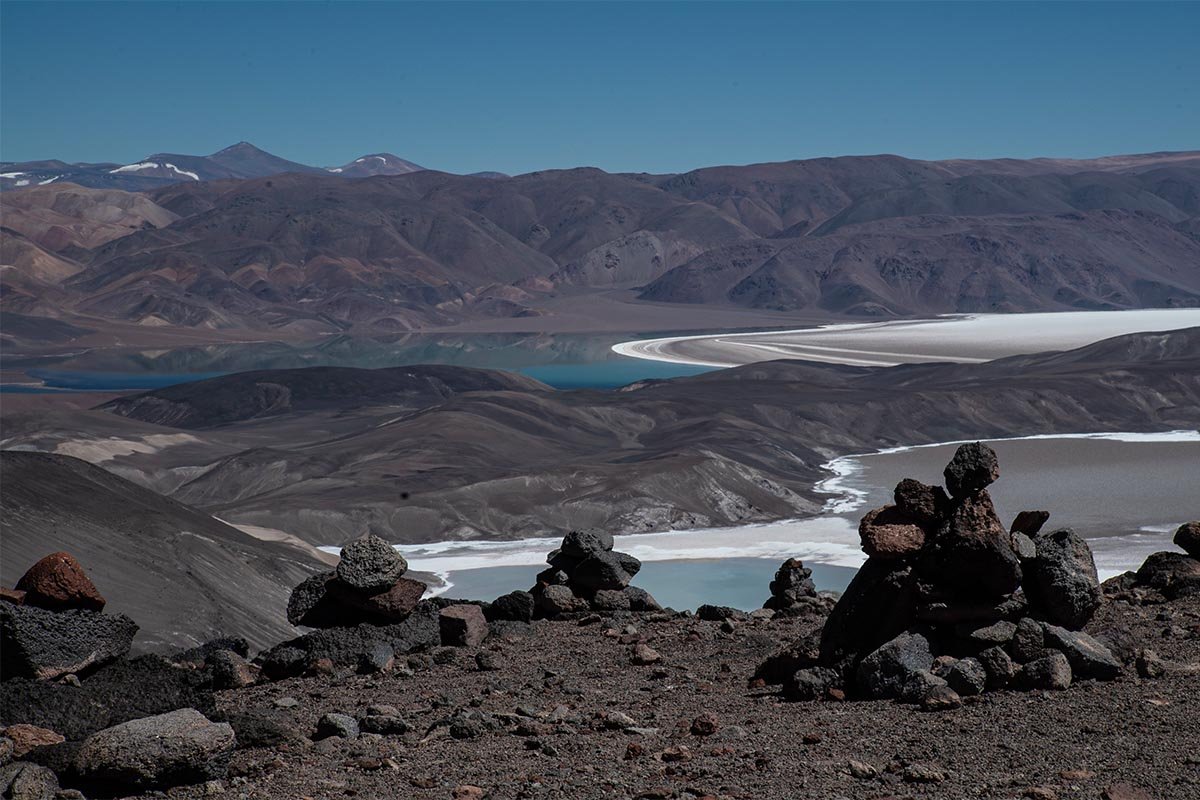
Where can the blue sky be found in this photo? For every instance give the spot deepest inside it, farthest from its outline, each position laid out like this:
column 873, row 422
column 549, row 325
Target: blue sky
column 626, row 87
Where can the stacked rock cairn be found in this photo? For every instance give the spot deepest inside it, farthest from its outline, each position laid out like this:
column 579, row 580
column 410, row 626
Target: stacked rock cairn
column 367, row 586
column 52, row 624
column 951, row 604
column 587, row 575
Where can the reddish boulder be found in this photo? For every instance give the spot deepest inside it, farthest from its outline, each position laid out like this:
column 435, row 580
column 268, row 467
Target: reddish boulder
column 391, row 605
column 890, row 533
column 463, row 625
column 57, row 583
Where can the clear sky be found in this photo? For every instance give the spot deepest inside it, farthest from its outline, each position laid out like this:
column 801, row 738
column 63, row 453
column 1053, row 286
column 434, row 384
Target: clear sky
column 626, row 87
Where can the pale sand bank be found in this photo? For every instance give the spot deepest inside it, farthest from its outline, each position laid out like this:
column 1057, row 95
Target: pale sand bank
column 970, row 338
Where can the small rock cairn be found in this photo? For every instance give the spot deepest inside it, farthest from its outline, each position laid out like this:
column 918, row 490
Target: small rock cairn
column 587, row 575
column 367, row 586
column 52, row 624
column 950, row 604
column 793, row 593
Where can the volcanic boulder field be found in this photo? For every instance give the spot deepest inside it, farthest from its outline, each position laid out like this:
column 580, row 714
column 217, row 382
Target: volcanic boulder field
column 583, row 687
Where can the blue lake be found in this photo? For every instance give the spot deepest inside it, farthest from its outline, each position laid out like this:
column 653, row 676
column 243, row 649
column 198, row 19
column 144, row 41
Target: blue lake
column 685, row 584
column 564, row 361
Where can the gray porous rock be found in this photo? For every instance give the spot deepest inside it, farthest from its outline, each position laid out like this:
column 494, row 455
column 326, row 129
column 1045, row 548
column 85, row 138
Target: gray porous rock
column 36, row 643
column 885, row 672
column 370, row 564
column 515, row 607
column 1088, row 657
column 180, row 747
column 1051, row 671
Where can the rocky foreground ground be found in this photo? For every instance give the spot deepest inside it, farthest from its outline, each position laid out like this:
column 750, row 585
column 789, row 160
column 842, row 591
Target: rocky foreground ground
column 966, row 659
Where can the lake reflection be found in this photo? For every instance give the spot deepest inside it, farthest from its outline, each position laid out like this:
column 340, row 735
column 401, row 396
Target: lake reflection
column 562, row 360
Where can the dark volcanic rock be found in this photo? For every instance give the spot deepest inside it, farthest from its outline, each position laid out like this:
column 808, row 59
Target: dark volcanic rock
column 641, row 600
column 1028, row 642
column 264, row 729
column 346, row 647
column 973, row 467
column 602, row 570
column 972, row 553
column 999, row 667
column 1061, row 580
column 1173, row 574
column 713, row 613
column 342, row 726
column 309, row 604
column 178, row 747
column 581, row 544
column 1051, row 671
column 967, row 677
column 1029, row 522
column 887, row 670
column 1088, row 657
column 58, row 582
column 230, row 671
column 515, row 606
column 876, row 606
column 801, row 654
column 122, row 691
column 370, row 564
column 42, row 644
column 611, row 600
column 925, row 504
column 628, row 563
column 1187, row 538
column 25, row 781
column 810, row 683
column 890, row 533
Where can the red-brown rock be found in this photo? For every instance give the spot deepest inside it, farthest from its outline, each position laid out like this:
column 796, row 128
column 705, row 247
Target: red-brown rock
column 890, row 533
column 57, row 583
column 14, row 596
column 390, row 605
column 463, row 625
column 27, row 737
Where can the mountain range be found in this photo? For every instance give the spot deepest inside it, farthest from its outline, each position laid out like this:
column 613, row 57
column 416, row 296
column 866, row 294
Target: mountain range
column 248, row 241
column 242, row 160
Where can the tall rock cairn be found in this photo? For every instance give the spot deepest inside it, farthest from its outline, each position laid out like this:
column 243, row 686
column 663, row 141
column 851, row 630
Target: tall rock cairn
column 951, row 603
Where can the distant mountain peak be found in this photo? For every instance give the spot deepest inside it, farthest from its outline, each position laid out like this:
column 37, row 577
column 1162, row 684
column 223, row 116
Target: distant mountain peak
column 241, row 147
column 376, row 164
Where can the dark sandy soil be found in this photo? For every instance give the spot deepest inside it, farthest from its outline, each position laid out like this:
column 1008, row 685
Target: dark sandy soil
column 559, row 680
